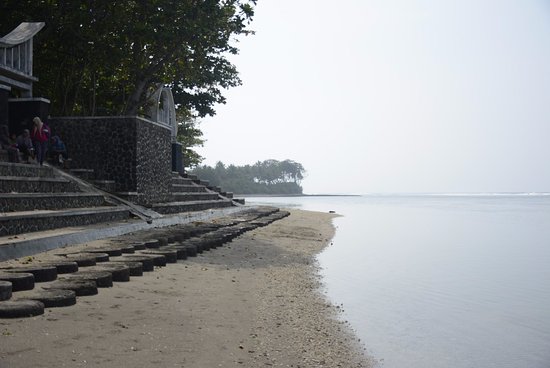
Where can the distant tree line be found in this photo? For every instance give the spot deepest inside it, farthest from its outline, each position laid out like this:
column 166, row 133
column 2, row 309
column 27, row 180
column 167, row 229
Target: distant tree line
column 264, row 177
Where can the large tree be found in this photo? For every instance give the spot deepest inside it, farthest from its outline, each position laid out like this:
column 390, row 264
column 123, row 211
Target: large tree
column 106, row 57
column 190, row 136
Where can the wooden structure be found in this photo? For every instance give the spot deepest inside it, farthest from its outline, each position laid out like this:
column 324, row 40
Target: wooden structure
column 16, row 50
column 163, row 111
column 17, row 104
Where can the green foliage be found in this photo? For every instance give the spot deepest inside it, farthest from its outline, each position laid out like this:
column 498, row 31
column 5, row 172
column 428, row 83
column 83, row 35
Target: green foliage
column 100, row 57
column 264, row 177
column 189, row 135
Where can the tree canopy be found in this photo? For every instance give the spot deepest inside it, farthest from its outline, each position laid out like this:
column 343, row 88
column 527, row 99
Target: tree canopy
column 190, row 136
column 99, row 57
column 264, row 177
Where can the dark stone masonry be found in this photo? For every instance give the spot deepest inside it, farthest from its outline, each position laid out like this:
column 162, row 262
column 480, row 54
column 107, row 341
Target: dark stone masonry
column 36, row 185
column 48, row 201
column 133, row 152
column 40, row 222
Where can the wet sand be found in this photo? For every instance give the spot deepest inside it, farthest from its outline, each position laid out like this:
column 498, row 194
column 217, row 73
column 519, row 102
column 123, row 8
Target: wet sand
column 255, row 302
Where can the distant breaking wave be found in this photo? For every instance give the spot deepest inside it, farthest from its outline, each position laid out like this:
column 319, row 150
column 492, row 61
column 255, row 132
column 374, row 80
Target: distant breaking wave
column 481, row 194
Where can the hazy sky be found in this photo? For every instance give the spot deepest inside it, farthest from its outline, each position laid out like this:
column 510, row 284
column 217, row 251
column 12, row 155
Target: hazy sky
column 394, row 95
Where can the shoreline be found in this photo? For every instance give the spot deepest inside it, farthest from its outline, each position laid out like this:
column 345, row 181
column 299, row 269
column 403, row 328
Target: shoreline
column 254, row 302
column 296, row 195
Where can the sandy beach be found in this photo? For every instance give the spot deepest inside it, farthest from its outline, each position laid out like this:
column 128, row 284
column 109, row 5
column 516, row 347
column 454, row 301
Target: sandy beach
column 255, row 302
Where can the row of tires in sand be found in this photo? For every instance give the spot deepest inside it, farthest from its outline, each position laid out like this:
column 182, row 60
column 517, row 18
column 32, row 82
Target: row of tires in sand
column 72, row 275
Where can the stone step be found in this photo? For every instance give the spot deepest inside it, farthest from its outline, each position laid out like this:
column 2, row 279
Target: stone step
column 106, row 185
column 178, row 207
column 28, row 184
column 205, row 183
column 180, row 180
column 10, row 202
column 12, row 169
column 86, row 174
column 185, row 197
column 191, row 176
column 24, row 222
column 219, row 190
column 182, row 188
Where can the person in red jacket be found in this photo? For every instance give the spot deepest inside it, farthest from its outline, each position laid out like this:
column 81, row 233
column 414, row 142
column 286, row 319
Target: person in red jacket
column 40, row 136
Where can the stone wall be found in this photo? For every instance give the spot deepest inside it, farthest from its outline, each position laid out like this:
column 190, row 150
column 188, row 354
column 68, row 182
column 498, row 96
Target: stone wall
column 133, row 152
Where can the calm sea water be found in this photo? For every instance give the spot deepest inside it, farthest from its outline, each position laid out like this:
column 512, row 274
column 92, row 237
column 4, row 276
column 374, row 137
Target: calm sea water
column 441, row 280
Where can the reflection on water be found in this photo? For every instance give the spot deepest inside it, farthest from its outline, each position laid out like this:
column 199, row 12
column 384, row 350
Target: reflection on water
column 441, row 281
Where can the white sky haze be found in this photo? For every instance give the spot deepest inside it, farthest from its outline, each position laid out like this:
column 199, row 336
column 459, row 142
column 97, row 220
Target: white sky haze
column 393, row 95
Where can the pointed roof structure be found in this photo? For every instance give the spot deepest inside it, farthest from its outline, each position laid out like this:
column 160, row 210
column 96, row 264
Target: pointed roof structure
column 16, row 58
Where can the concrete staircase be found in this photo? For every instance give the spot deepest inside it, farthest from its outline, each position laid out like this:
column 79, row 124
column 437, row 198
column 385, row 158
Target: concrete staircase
column 191, row 194
column 37, row 198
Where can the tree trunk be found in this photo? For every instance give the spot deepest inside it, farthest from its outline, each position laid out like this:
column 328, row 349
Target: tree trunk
column 132, row 105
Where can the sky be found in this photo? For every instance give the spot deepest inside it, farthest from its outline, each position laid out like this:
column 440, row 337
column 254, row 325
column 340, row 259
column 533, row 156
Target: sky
column 393, row 96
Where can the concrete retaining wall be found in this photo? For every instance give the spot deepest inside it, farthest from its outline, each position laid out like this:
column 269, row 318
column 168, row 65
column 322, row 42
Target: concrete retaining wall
column 133, row 152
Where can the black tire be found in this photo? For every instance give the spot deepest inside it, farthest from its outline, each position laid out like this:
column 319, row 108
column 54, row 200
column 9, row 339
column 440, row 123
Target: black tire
column 195, row 244
column 172, row 239
column 227, row 237
column 5, row 290
column 98, row 256
column 110, row 251
column 201, row 245
column 209, row 243
column 136, row 268
column 158, row 259
column 138, row 245
column 21, row 308
column 102, row 279
column 41, row 273
column 101, row 257
column 50, row 298
column 128, row 249
column 181, row 251
column 152, row 244
column 80, row 287
column 182, row 236
column 120, row 272
column 63, row 266
column 147, row 264
column 19, row 281
column 82, row 259
column 171, row 256
column 191, row 250
column 215, row 241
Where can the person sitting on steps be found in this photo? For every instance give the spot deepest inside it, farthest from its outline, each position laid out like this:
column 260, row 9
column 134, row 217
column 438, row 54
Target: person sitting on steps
column 8, row 145
column 24, row 144
column 58, row 150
